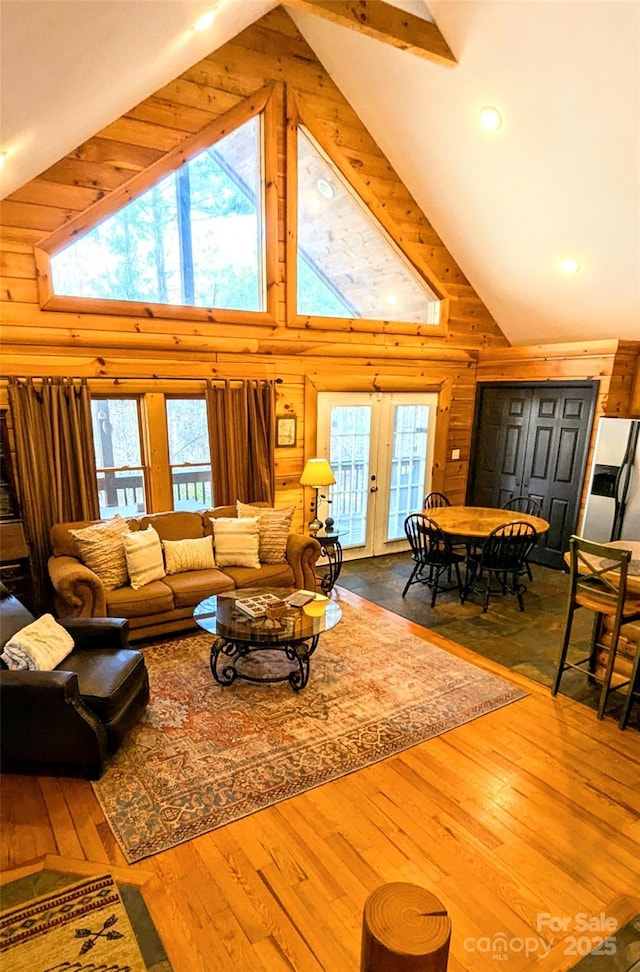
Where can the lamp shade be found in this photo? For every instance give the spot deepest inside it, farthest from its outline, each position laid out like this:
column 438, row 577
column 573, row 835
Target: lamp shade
column 316, row 473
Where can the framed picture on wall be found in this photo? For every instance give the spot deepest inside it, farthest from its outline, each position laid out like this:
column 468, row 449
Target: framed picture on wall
column 285, row 430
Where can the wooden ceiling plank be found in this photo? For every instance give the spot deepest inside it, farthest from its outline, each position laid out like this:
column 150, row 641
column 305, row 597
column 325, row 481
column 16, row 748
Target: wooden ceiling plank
column 385, row 23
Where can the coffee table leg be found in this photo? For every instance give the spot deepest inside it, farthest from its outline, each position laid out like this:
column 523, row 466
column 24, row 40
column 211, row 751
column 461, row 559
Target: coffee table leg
column 301, row 654
column 222, row 661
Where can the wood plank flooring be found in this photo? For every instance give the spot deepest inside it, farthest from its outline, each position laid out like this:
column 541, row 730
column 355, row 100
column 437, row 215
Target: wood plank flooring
column 525, row 823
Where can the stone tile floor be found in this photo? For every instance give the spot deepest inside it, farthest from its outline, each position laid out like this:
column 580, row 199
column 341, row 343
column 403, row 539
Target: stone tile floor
column 527, row 641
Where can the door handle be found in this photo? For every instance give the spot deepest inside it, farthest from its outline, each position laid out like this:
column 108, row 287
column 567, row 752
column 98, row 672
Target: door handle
column 374, row 489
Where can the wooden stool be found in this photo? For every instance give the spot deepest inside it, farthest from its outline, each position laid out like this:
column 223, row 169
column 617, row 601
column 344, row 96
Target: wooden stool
column 404, row 929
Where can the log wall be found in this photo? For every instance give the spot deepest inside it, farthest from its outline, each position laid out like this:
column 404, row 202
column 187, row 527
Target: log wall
column 130, row 349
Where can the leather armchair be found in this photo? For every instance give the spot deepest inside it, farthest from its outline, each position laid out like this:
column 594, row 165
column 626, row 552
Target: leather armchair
column 67, row 721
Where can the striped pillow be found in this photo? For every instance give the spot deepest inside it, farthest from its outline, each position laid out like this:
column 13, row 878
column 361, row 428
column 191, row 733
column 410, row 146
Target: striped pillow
column 102, row 551
column 183, row 555
column 236, row 541
column 143, row 551
column 275, row 526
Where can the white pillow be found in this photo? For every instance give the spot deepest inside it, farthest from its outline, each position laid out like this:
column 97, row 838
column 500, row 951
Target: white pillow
column 40, row 646
column 143, row 551
column 275, row 527
column 101, row 549
column 183, row 555
column 236, row 541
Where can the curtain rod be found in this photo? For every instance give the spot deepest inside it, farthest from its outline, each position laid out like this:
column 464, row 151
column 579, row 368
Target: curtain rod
column 117, row 381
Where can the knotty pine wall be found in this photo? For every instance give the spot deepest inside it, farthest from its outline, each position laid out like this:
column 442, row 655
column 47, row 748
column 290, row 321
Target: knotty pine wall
column 136, row 352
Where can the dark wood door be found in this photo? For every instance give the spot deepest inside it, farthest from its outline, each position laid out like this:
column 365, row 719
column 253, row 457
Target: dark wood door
column 533, row 439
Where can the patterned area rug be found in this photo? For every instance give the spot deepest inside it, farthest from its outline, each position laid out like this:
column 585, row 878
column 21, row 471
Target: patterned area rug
column 204, row 756
column 83, row 925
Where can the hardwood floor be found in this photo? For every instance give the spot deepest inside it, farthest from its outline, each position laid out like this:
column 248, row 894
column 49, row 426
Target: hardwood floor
column 522, row 821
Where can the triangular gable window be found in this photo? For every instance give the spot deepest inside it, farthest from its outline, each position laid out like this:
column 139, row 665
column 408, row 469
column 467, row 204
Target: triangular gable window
column 194, row 238
column 347, row 264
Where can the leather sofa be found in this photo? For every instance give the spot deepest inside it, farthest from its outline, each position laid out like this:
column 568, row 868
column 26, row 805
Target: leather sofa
column 67, row 721
column 165, row 606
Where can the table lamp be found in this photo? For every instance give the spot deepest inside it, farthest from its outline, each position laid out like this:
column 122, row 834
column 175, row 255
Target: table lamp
column 316, row 474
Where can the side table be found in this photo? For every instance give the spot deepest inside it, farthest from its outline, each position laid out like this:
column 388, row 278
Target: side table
column 331, row 549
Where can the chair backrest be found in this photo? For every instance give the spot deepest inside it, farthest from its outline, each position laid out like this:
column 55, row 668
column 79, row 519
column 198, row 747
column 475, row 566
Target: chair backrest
column 508, row 546
column 598, row 574
column 433, row 501
column 427, row 540
column 524, row 504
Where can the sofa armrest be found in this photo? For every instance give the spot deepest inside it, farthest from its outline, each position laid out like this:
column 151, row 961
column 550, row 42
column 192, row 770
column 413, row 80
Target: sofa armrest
column 46, row 727
column 88, row 633
column 302, row 555
column 80, row 592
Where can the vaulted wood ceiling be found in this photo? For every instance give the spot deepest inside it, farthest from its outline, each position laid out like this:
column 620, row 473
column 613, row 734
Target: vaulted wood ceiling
column 560, row 178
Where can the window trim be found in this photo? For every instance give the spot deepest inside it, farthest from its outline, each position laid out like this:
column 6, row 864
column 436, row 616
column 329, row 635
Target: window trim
column 262, row 103
column 145, row 466
column 299, row 116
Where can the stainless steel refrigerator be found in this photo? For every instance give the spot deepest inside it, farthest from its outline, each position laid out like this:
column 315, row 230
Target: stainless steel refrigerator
column 612, row 510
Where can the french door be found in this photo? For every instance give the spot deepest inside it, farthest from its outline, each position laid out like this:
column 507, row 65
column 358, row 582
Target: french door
column 380, row 447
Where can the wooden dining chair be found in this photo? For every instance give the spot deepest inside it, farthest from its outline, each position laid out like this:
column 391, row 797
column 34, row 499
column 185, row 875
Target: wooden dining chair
column 598, row 582
column 524, row 504
column 435, row 500
column 502, row 557
column 432, row 555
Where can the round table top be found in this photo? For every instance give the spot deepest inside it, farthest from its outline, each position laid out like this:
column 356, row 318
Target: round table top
column 219, row 616
column 479, row 521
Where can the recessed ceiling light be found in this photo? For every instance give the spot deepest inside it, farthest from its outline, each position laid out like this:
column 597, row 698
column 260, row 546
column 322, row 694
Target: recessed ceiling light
column 205, row 21
column 3, row 158
column 490, row 118
column 314, row 202
column 569, row 265
column 391, row 299
column 325, row 188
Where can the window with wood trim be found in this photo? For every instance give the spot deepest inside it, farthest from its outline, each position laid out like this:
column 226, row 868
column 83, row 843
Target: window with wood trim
column 347, row 264
column 117, row 440
column 129, row 431
column 193, row 239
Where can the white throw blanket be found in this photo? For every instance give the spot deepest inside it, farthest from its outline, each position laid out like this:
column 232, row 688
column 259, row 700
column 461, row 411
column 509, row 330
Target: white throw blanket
column 40, row 646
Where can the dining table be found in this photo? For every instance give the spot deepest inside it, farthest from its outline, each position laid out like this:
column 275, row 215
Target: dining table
column 468, row 524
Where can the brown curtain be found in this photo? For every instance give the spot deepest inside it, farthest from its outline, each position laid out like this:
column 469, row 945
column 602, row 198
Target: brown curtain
column 242, row 438
column 55, row 459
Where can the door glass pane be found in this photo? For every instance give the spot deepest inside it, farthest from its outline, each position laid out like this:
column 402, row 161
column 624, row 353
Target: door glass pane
column 120, row 473
column 407, row 474
column 349, row 459
column 189, row 455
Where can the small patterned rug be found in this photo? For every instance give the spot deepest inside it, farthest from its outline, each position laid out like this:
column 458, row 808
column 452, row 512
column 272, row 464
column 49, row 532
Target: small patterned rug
column 204, row 755
column 84, row 925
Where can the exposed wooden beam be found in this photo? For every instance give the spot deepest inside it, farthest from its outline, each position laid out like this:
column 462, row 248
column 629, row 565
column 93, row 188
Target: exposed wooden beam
column 384, row 23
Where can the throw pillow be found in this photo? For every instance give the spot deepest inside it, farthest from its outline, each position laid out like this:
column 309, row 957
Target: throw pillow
column 182, row 555
column 275, row 526
column 143, row 551
column 39, row 646
column 101, row 549
column 236, row 541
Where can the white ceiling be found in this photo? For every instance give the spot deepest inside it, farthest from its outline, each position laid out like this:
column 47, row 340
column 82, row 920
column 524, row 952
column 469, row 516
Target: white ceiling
column 561, row 177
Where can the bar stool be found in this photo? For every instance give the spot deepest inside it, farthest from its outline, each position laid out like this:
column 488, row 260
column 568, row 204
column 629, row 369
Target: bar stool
column 598, row 582
column 634, row 689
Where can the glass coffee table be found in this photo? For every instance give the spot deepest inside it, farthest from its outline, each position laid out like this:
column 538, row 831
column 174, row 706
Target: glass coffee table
column 262, row 649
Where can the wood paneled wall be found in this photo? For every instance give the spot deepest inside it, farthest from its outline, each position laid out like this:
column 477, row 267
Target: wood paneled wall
column 128, row 348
